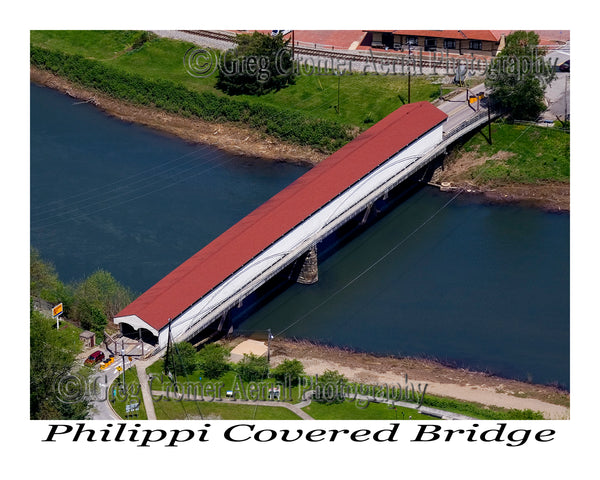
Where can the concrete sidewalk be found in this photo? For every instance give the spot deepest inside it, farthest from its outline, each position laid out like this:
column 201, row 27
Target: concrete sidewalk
column 145, row 387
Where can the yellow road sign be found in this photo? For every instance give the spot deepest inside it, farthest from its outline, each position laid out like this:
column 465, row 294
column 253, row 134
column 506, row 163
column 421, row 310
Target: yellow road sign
column 57, row 310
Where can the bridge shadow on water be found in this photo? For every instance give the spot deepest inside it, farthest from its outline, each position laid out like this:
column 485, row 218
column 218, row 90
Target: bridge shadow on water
column 349, row 231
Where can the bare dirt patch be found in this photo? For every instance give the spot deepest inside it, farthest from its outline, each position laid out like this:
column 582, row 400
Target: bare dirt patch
column 235, row 139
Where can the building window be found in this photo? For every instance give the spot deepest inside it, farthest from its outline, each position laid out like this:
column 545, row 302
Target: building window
column 430, row 44
column 475, row 44
column 449, row 43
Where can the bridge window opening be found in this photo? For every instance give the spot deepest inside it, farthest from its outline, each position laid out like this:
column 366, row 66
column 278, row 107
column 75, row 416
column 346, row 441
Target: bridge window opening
column 136, row 334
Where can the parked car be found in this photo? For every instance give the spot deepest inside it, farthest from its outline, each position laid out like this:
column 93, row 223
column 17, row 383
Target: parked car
column 95, row 358
column 565, row 67
column 109, row 361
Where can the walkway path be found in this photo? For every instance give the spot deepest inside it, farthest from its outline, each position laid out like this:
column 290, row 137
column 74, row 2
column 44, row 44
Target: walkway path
column 145, row 386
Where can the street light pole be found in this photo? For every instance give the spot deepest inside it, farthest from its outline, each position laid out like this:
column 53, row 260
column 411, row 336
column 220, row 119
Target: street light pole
column 269, row 345
column 338, row 95
column 123, row 359
column 409, row 45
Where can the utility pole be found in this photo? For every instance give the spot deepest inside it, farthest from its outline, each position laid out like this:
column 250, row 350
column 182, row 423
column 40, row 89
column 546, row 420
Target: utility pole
column 123, row 361
column 566, row 97
column 489, row 109
column 269, row 345
column 140, row 340
column 409, row 72
column 338, row 106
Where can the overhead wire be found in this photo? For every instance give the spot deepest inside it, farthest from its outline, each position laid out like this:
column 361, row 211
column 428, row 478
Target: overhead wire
column 389, row 252
column 154, row 179
column 105, row 189
column 41, row 224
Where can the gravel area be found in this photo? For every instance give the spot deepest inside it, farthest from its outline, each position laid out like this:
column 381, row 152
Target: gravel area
column 195, row 39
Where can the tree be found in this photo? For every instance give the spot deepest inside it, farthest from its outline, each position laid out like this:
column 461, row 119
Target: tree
column 252, row 368
column 44, row 282
column 181, row 358
column 330, row 387
column 518, row 76
column 99, row 298
column 289, row 369
column 55, row 391
column 259, row 64
column 90, row 316
column 212, row 360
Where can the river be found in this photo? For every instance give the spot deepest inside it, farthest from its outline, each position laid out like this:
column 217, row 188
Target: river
column 471, row 284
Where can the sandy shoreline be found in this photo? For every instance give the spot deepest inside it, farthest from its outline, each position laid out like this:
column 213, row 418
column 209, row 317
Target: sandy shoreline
column 441, row 380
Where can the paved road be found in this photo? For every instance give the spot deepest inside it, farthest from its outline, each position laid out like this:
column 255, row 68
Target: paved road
column 558, row 92
column 458, row 109
column 101, row 409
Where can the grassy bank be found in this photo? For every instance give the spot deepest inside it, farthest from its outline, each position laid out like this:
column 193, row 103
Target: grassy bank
column 518, row 154
column 152, row 73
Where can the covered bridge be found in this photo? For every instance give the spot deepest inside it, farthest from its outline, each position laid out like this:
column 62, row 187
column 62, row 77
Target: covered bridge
column 218, row 277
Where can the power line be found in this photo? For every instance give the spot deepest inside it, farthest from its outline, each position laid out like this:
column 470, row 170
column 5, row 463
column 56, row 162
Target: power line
column 390, row 251
column 107, row 188
column 41, row 223
column 370, row 267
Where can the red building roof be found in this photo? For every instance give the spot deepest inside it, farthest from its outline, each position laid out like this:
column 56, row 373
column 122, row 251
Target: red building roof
column 487, row 35
column 198, row 275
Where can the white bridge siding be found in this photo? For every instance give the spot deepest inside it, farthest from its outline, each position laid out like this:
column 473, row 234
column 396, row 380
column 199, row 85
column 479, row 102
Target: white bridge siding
column 297, row 241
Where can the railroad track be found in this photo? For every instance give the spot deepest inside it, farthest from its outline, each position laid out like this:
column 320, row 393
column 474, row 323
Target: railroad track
column 358, row 56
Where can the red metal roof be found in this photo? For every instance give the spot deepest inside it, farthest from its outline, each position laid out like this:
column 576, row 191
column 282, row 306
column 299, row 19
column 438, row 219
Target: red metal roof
column 198, row 275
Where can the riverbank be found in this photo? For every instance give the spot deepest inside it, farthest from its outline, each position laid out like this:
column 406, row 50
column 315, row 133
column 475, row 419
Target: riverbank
column 461, row 384
column 246, row 142
column 479, row 169
column 230, row 138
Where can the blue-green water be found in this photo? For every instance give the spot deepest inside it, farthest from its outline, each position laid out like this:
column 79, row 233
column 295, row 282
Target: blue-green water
column 480, row 286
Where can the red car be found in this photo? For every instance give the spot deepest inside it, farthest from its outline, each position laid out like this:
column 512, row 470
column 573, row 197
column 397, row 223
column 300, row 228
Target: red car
column 95, row 358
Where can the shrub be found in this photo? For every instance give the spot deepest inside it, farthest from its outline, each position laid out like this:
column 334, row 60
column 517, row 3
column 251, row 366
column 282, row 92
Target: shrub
column 212, row 360
column 292, row 369
column 181, row 358
column 330, row 387
column 252, row 368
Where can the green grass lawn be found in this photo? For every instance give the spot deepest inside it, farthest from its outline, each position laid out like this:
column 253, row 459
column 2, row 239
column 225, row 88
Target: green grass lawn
column 97, row 44
column 229, row 381
column 363, row 99
column 178, row 410
column 349, row 410
column 132, row 394
column 524, row 154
